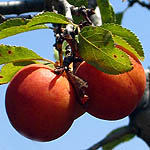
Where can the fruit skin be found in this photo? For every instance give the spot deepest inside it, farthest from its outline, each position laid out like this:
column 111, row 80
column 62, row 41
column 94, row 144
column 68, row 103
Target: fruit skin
column 113, row 97
column 40, row 104
column 79, row 111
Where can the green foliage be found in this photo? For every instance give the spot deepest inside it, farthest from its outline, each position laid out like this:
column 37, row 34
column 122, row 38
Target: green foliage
column 48, row 17
column 16, row 26
column 78, row 2
column 125, row 38
column 117, row 141
column 14, row 58
column 19, row 29
column 107, row 12
column 119, row 17
column 13, row 22
column 10, row 54
column 10, row 69
column 96, row 46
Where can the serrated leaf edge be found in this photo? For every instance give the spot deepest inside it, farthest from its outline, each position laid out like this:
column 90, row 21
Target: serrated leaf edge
column 40, row 15
column 134, row 53
column 140, row 45
column 10, row 20
column 21, row 60
column 26, row 29
column 106, row 53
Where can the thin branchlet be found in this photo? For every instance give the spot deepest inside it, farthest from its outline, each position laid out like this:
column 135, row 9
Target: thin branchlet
column 141, row 3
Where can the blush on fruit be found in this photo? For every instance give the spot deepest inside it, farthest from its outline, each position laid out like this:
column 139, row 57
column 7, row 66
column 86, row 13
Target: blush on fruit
column 40, row 104
column 112, row 97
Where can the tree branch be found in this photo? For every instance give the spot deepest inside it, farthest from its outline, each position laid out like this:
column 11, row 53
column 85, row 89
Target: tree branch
column 61, row 6
column 142, row 3
column 67, row 8
column 19, row 7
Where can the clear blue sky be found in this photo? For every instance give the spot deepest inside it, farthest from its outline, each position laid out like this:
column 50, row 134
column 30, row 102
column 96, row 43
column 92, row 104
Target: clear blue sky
column 86, row 130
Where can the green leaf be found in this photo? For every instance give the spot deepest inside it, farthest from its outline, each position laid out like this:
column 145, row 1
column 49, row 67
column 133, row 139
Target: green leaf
column 125, row 38
column 19, row 29
column 79, row 3
column 98, row 36
column 48, row 17
column 13, row 22
column 9, row 54
column 107, row 12
column 118, row 141
column 9, row 70
column 16, row 26
column 96, row 47
column 119, row 17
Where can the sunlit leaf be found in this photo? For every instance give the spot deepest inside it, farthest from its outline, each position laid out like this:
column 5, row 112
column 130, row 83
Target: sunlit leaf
column 10, row 54
column 125, row 38
column 16, row 26
column 13, row 22
column 48, row 17
column 78, row 2
column 119, row 17
column 96, row 46
column 107, row 12
column 9, row 70
column 19, row 29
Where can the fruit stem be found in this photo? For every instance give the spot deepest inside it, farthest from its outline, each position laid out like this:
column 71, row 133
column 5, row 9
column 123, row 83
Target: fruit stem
column 79, row 86
column 61, row 56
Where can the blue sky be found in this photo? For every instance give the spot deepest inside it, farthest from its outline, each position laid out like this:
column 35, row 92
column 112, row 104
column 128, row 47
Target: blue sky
column 86, row 130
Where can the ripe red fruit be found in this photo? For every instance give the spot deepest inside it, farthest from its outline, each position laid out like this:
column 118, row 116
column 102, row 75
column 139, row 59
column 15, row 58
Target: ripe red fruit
column 113, row 97
column 40, row 104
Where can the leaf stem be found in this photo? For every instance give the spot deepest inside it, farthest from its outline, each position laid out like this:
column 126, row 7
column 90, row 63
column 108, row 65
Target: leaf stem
column 50, row 61
column 40, row 59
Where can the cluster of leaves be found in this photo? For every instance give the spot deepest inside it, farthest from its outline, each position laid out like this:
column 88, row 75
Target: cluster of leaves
column 13, row 57
column 97, row 49
column 96, row 45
